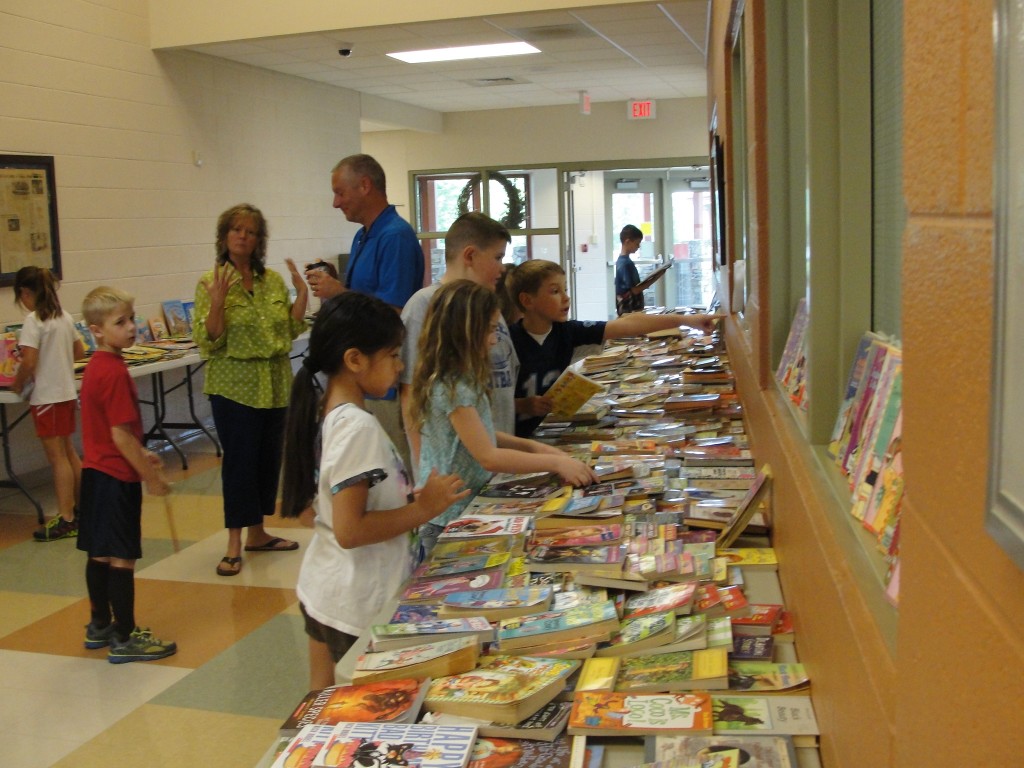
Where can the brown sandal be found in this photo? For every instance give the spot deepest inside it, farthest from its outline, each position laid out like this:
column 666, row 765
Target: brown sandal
column 229, row 566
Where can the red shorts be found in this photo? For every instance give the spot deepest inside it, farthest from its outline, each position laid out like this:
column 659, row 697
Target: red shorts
column 54, row 419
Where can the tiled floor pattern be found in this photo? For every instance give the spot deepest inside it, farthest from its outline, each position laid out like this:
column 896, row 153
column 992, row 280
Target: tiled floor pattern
column 241, row 663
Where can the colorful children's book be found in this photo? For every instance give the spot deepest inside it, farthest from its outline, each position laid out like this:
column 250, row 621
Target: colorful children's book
column 676, row 597
column 391, row 701
column 302, row 750
column 158, row 328
column 546, row 724
column 639, row 714
column 411, row 613
column 494, row 752
column 640, row 634
column 691, row 634
column 433, row 659
column 679, row 671
column 759, row 620
column 600, row 558
column 433, row 590
column 577, row 536
column 503, row 689
column 570, row 391
column 751, row 558
column 590, row 620
column 388, row 637
column 497, row 604
column 142, row 330
column 479, row 526
column 538, row 485
column 176, row 318
column 751, row 648
column 362, row 745
column 450, row 566
column 765, row 716
column 766, row 677
column 599, row 674
column 754, row 751
column 456, row 549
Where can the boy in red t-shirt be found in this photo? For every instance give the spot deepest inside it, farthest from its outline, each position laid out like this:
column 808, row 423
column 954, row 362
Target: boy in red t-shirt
column 114, row 464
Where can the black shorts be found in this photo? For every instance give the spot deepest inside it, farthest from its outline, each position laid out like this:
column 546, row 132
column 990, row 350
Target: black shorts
column 337, row 642
column 110, row 516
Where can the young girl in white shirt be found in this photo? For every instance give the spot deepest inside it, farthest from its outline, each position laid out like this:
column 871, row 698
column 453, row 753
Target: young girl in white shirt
column 339, row 459
column 49, row 347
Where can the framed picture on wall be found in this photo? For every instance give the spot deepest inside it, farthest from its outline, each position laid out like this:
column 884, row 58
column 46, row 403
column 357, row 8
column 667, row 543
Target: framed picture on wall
column 1005, row 517
column 28, row 215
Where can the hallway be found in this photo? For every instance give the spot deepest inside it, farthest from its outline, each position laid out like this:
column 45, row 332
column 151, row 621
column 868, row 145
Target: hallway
column 241, row 663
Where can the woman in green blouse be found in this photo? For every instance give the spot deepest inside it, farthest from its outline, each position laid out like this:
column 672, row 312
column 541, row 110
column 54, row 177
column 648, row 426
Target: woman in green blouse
column 244, row 326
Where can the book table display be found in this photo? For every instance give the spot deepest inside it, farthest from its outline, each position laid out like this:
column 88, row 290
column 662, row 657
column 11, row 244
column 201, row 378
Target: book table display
column 640, row 620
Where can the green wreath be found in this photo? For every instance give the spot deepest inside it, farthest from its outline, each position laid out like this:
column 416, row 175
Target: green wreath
column 515, row 212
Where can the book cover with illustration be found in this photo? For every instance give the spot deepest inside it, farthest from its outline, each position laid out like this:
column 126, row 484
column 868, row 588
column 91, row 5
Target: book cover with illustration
column 573, row 558
column 766, row 715
column 392, row 700
column 676, row 597
column 538, row 485
column 412, row 612
column 754, row 751
column 584, row 535
column 493, row 752
column 429, row 590
column 535, row 629
column 408, row 745
column 767, row 677
column 640, row 634
column 480, row 526
column 639, row 714
column 305, row 745
column 570, row 391
column 457, row 549
column 391, row 636
column 431, row 659
column 677, row 671
column 490, row 602
column 178, row 325
column 752, row 648
column 450, row 566
column 504, row 689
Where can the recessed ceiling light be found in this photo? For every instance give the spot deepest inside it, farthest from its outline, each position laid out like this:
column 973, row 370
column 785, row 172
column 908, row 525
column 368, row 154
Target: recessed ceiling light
column 464, row 52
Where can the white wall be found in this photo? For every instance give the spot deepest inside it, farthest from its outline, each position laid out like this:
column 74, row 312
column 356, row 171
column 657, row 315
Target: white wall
column 78, row 81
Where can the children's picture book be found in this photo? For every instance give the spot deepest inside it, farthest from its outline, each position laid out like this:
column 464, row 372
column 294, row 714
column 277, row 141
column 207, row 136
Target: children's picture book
column 88, row 340
column 640, row 634
column 431, row 659
column 457, row 549
column 546, row 724
column 158, row 328
column 640, row 714
column 433, row 590
column 765, row 716
column 575, row 558
column 590, row 620
column 10, row 360
column 691, row 634
column 754, row 751
column 767, row 677
column 760, row 619
column 411, row 613
column 479, row 526
column 450, row 566
column 497, row 604
column 751, row 558
column 305, row 745
column 387, row 637
column 178, row 325
column 570, row 391
column 189, row 306
column 142, row 330
column 391, row 701
column 503, row 689
column 677, row 598
column 538, row 485
column 679, row 671
column 577, row 536
column 410, row 745
column 495, row 752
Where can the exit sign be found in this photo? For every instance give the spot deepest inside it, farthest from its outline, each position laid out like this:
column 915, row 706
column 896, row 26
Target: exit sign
column 641, row 109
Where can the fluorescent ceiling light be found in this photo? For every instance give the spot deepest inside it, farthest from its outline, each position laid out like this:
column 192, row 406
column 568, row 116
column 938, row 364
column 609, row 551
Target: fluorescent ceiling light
column 464, row 52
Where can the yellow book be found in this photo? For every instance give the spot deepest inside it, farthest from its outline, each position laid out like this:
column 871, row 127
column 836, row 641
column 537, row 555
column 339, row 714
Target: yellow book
column 570, row 391
column 598, row 674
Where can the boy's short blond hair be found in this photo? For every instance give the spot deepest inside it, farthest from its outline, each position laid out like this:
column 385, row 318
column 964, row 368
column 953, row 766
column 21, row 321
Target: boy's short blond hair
column 102, row 301
column 529, row 276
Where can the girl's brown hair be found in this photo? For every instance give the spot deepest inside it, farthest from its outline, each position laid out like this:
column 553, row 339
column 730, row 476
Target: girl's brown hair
column 43, row 286
column 453, row 343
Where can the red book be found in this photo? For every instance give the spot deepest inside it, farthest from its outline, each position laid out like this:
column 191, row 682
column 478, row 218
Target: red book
column 760, row 620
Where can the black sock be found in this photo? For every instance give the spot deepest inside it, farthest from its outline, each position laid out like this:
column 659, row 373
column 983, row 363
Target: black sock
column 96, row 582
column 122, row 601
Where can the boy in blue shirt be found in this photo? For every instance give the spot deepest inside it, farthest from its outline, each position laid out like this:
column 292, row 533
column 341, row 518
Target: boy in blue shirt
column 545, row 337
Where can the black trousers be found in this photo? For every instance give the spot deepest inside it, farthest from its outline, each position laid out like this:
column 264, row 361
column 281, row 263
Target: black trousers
column 252, row 439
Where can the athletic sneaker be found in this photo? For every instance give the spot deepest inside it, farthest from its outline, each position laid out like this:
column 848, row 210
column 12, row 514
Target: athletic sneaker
column 96, row 637
column 140, row 646
column 57, row 528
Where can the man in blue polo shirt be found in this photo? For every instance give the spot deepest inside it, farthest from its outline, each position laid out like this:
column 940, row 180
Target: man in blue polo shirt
column 386, row 260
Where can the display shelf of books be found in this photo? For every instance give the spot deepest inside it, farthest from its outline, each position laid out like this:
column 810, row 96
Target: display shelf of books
column 671, row 618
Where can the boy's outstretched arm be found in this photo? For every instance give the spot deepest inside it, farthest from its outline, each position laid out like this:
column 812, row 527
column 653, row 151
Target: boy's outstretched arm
column 638, row 323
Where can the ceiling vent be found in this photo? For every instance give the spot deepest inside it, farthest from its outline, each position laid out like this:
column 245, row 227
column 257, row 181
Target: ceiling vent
column 551, row 33
column 490, row 82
